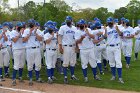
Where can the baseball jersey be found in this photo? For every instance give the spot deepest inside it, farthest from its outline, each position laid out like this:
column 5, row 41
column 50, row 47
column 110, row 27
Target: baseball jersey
column 19, row 44
column 128, row 32
column 67, row 34
column 87, row 42
column 9, row 42
column 112, row 36
column 136, row 29
column 2, row 41
column 32, row 41
column 98, row 37
column 53, row 44
column 121, row 27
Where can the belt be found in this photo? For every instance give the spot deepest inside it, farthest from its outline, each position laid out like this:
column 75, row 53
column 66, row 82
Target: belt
column 52, row 49
column 69, row 45
column 2, row 48
column 35, row 47
column 138, row 38
column 99, row 44
column 113, row 45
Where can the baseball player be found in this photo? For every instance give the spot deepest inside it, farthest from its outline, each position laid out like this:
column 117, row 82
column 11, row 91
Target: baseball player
column 18, row 52
column 67, row 47
column 127, row 43
column 137, row 42
column 100, row 45
column 4, row 54
column 84, row 39
column 113, row 49
column 32, row 36
column 50, row 39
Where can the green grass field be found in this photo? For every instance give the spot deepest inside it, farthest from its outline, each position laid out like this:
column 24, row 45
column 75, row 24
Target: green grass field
column 131, row 77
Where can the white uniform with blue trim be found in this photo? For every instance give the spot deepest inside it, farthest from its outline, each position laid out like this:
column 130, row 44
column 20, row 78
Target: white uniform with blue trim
column 69, row 44
column 18, row 50
column 4, row 54
column 127, row 43
column 86, row 49
column 51, row 51
column 137, row 42
column 33, row 53
column 100, row 48
column 113, row 48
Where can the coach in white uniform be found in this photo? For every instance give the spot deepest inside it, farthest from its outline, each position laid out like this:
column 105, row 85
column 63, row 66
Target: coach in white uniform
column 84, row 39
column 18, row 52
column 4, row 54
column 137, row 42
column 127, row 43
column 113, row 49
column 32, row 37
column 67, row 47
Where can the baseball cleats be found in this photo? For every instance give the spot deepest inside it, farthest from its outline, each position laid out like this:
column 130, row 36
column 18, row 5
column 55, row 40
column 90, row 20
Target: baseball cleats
column 54, row 78
column 113, row 78
column 74, row 77
column 40, row 80
column 121, row 81
column 127, row 66
column 102, row 73
column 21, row 80
column 14, row 83
column 97, row 78
column 86, row 79
column 30, row 82
column 1, row 78
column 65, row 80
column 6, row 75
column 50, row 81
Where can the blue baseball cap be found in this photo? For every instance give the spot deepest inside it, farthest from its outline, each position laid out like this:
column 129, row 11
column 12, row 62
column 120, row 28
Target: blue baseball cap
column 126, row 21
column 31, row 21
column 138, row 22
column 55, row 23
column 109, row 20
column 89, row 23
column 96, row 19
column 11, row 25
column 37, row 23
column 92, row 26
column 24, row 23
column 68, row 18
column 122, row 19
column 51, row 27
column 82, row 22
column 98, row 24
column 19, row 24
column 5, row 24
column 116, row 20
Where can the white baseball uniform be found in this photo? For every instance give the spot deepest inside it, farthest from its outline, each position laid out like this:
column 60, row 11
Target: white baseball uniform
column 4, row 54
column 137, row 42
column 127, row 43
column 18, row 50
column 51, row 51
column 86, row 49
column 113, row 48
column 33, row 53
column 68, row 43
column 100, row 48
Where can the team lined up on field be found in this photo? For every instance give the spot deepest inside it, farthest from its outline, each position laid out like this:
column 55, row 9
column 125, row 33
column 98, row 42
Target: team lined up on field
column 95, row 43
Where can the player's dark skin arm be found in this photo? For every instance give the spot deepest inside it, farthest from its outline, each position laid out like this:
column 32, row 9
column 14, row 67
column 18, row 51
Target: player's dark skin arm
column 39, row 38
column 90, row 35
column 129, row 37
column 80, row 40
column 97, row 41
column 25, row 39
column 60, row 43
column 119, row 32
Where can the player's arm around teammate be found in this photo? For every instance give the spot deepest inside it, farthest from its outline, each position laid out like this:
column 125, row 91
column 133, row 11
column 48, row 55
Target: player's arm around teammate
column 32, row 37
column 4, row 54
column 18, row 52
column 84, row 39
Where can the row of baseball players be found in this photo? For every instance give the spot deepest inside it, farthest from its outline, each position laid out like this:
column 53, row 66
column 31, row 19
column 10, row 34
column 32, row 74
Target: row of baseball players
column 95, row 42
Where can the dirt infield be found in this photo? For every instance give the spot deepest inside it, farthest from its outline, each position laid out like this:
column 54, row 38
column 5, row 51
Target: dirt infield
column 54, row 88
